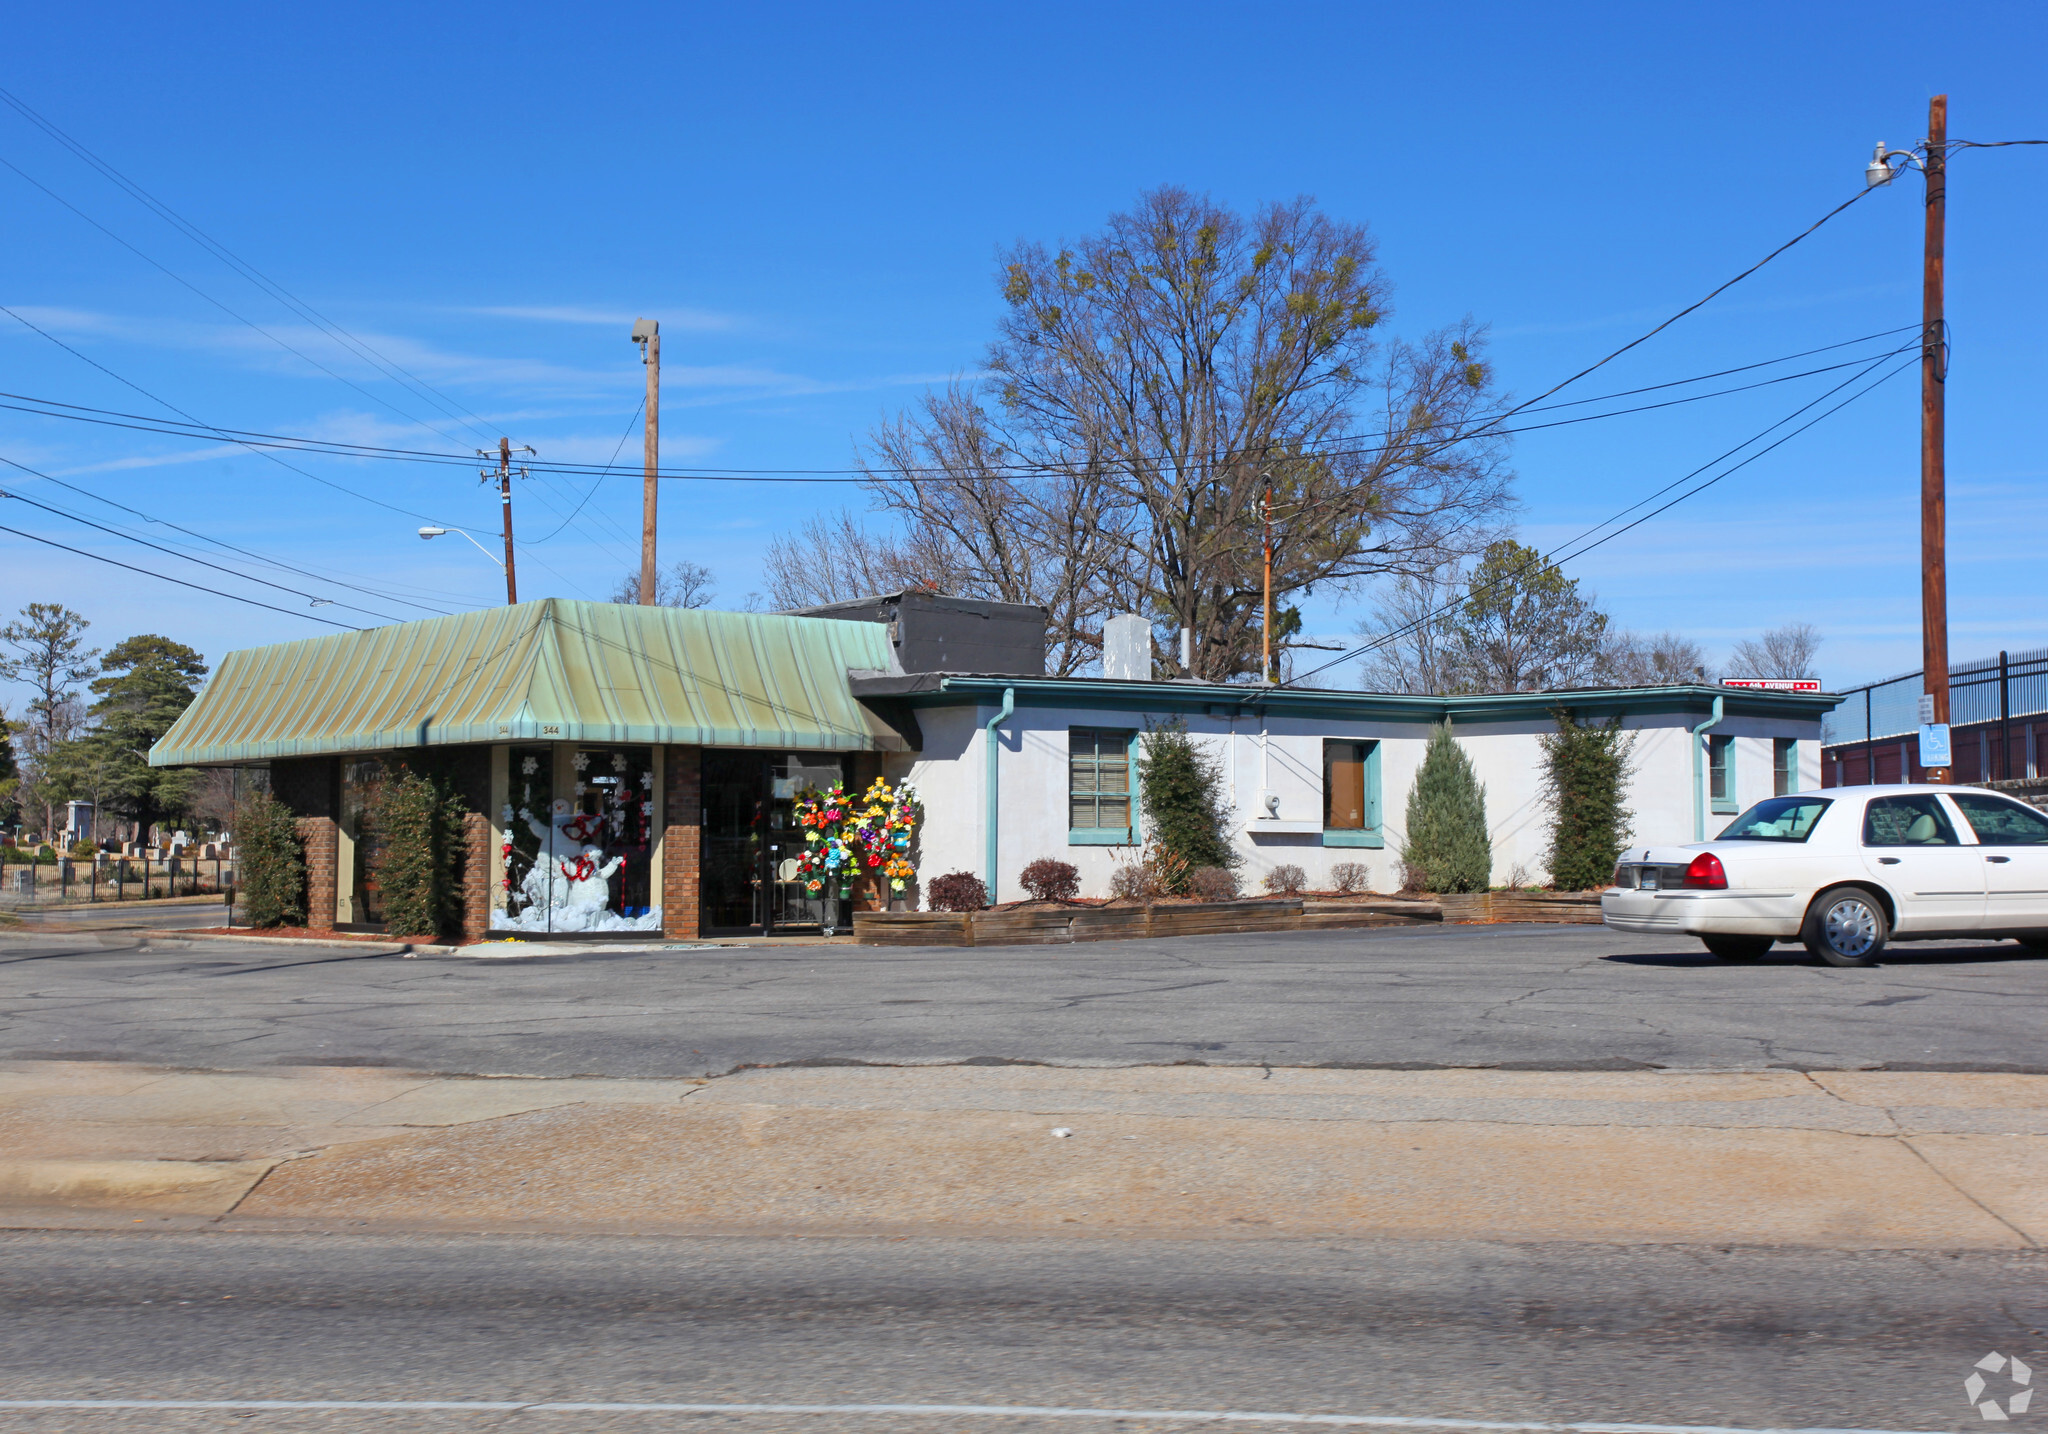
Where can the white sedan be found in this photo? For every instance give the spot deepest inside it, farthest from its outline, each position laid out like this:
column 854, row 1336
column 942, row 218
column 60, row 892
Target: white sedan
column 1846, row 869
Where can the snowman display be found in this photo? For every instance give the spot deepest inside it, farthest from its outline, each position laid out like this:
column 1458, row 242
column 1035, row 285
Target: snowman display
column 568, row 886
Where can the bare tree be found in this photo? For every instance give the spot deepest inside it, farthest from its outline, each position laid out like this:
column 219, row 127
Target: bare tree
column 685, row 584
column 1786, row 651
column 975, row 525
column 1414, row 647
column 832, row 558
column 1634, row 660
column 1149, row 382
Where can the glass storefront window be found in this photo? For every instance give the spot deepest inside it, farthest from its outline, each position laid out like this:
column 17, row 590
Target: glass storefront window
column 358, row 901
column 580, row 825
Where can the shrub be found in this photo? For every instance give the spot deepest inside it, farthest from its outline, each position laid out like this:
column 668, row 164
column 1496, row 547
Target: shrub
column 1182, row 790
column 420, row 863
column 46, row 852
column 1212, row 883
column 1350, row 876
column 1413, row 879
column 270, row 863
column 1586, row 769
column 955, row 891
column 1049, row 880
column 1447, row 838
column 1137, row 881
column 1286, row 879
column 83, row 850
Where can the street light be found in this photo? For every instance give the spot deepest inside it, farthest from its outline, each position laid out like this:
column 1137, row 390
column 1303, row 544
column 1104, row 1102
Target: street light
column 444, row 532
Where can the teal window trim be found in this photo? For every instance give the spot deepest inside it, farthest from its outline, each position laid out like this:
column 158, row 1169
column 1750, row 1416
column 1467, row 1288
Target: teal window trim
column 1784, row 765
column 1721, row 759
column 1372, row 834
column 1115, row 836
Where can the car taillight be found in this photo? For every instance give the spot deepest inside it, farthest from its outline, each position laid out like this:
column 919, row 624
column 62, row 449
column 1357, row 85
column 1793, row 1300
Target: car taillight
column 1706, row 871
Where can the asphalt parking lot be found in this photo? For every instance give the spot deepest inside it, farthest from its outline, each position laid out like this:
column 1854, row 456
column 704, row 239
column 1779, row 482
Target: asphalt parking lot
column 1529, row 997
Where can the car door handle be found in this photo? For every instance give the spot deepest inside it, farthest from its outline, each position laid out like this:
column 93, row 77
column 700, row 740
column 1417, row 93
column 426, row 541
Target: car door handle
column 1998, row 858
column 1887, row 861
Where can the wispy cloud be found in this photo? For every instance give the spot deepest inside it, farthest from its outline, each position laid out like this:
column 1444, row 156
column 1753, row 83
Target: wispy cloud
column 684, row 320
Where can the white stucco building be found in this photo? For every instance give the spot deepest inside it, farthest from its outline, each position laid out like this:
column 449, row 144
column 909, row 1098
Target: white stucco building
column 1016, row 768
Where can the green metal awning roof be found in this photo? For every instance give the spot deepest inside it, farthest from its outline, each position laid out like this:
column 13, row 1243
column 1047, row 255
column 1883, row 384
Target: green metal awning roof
column 553, row 670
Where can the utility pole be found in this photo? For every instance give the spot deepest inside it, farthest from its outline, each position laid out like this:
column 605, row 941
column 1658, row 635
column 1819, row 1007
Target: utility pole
column 1266, row 673
column 647, row 334
column 504, row 477
column 1933, row 433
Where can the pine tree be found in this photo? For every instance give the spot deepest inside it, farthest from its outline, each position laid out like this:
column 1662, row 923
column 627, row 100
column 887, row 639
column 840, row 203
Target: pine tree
column 1587, row 772
column 1447, row 841
column 1182, row 791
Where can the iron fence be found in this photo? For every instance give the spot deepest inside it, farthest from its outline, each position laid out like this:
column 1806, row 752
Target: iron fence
column 32, row 879
column 1991, row 689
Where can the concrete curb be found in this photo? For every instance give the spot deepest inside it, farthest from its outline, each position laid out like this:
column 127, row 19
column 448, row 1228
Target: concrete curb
column 379, row 948
column 209, row 899
column 190, row 1187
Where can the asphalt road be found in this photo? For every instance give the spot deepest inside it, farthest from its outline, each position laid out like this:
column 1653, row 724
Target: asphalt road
column 1745, row 1338
column 1538, row 997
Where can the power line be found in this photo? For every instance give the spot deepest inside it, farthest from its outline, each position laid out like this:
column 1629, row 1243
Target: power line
column 188, row 557
column 54, row 408
column 1559, row 558
column 248, row 271
column 166, row 577
column 607, row 468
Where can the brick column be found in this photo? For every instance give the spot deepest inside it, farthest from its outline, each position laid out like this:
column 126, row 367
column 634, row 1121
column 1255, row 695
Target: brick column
column 322, row 840
column 476, row 876
column 682, row 842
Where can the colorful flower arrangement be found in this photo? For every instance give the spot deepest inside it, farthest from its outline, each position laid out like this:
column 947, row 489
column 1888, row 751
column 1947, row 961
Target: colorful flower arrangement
column 848, row 837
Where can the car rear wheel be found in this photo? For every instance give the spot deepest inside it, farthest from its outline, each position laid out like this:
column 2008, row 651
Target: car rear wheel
column 1739, row 948
column 1846, row 926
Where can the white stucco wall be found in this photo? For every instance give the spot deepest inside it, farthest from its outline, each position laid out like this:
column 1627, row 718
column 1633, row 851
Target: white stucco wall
column 949, row 773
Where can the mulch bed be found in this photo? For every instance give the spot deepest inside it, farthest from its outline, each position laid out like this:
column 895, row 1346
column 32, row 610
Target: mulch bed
column 307, row 933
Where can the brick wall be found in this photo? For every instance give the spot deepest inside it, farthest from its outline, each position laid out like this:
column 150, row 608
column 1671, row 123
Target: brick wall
column 682, row 841
column 476, row 876
column 322, row 838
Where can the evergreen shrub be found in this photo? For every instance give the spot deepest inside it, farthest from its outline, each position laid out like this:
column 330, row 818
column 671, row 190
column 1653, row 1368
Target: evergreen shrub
column 270, row 862
column 420, row 865
column 1182, row 790
column 1586, row 771
column 1447, row 848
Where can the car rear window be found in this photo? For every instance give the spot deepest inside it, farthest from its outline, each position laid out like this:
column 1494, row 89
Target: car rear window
column 1779, row 819
column 1999, row 822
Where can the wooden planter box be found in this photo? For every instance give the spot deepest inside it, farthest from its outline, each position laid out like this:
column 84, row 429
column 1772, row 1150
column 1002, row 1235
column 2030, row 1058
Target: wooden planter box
column 1570, row 908
column 1063, row 925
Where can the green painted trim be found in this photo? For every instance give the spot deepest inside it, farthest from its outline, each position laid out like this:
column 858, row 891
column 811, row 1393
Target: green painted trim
column 1197, row 698
column 1728, row 805
column 1101, row 836
column 1133, row 751
column 1334, row 837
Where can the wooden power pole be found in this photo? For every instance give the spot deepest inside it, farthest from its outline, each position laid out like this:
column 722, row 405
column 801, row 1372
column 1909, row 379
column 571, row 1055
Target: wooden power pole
column 1933, row 416
column 647, row 334
column 1266, row 673
column 505, row 492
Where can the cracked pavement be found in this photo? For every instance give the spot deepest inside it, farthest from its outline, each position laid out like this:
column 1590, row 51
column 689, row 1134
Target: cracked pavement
column 1518, row 997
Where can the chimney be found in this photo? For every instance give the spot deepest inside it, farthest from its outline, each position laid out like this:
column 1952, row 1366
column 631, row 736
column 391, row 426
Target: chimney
column 1127, row 648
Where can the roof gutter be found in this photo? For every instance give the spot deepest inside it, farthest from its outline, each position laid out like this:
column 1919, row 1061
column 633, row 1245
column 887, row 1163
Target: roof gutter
column 992, row 788
column 1699, row 803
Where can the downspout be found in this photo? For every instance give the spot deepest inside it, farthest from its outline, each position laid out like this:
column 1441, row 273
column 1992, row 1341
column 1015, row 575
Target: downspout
column 992, row 788
column 1699, row 801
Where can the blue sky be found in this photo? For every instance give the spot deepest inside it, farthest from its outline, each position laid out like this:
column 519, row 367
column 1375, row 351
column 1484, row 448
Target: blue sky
column 810, row 198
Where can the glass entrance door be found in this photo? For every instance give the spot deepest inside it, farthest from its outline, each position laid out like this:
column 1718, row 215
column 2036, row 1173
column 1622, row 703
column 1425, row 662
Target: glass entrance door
column 751, row 840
